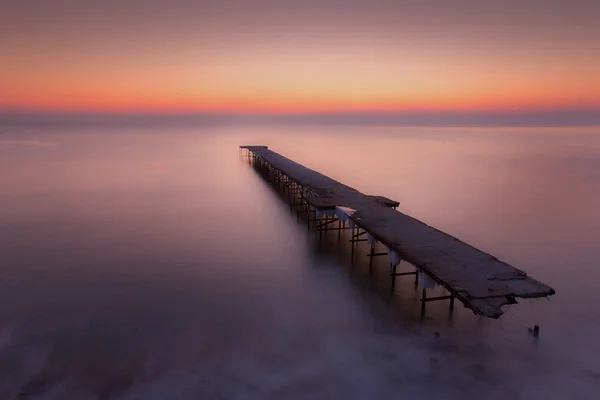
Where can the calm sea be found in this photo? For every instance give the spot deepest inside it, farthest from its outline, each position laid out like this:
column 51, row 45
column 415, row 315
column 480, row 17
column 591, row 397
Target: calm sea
column 154, row 263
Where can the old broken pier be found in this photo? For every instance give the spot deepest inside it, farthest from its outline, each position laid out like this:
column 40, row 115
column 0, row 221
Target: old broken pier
column 479, row 280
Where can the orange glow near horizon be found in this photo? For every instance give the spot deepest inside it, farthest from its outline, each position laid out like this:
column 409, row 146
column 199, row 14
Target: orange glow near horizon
column 287, row 106
column 274, row 87
column 160, row 99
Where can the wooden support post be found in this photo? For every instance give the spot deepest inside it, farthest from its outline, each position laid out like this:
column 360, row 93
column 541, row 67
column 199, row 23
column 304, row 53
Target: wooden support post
column 451, row 303
column 416, row 278
column 371, row 257
column 393, row 275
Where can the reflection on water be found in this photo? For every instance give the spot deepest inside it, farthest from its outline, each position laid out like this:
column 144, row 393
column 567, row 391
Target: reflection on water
column 155, row 264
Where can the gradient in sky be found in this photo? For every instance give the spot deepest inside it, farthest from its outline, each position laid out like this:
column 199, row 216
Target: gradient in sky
column 299, row 56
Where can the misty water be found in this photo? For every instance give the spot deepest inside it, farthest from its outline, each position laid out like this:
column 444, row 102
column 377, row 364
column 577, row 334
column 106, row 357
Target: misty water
column 154, row 263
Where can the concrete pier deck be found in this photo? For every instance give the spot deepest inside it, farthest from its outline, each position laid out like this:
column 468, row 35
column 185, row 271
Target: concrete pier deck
column 479, row 280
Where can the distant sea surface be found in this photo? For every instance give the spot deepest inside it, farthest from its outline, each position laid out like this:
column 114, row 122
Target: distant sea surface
column 154, row 263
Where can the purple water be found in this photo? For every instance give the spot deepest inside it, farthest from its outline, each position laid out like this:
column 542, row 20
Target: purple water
column 154, row 263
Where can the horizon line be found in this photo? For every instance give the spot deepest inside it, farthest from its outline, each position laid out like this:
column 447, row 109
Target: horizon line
column 556, row 117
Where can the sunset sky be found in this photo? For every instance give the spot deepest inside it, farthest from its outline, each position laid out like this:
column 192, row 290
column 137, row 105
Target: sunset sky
column 299, row 56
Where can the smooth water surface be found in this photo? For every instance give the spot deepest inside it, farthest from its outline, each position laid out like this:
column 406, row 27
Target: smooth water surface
column 154, row 263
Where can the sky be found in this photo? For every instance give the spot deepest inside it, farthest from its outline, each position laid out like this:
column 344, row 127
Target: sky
column 305, row 56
